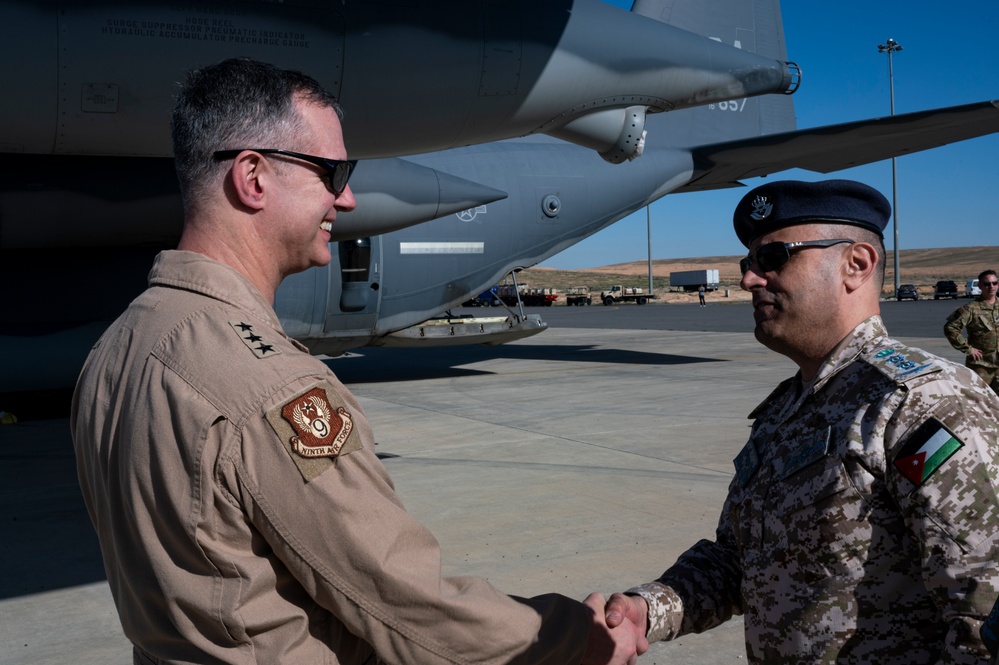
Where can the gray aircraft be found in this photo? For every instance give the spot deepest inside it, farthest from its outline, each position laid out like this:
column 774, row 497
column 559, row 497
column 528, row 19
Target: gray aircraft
column 415, row 76
column 89, row 205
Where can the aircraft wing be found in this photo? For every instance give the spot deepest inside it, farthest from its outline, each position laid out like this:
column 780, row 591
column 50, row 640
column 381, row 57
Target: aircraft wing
column 835, row 147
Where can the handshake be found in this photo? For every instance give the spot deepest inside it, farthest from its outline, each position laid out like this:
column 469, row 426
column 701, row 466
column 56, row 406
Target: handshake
column 617, row 632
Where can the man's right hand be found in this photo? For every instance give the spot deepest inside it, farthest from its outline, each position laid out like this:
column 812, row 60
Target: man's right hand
column 622, row 608
column 620, row 644
column 975, row 354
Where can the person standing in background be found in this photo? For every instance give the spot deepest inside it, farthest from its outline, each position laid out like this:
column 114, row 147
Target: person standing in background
column 981, row 319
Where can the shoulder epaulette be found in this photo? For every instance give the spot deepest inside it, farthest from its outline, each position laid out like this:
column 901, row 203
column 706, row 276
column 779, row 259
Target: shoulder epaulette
column 901, row 363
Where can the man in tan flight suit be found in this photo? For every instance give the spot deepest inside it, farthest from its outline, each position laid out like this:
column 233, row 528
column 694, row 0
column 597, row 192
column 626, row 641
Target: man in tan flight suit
column 242, row 514
column 981, row 318
column 862, row 524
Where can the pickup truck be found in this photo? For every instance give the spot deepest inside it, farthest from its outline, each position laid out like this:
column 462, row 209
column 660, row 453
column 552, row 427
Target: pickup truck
column 945, row 288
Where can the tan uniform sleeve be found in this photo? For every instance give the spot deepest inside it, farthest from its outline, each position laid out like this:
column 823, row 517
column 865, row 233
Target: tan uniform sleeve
column 339, row 528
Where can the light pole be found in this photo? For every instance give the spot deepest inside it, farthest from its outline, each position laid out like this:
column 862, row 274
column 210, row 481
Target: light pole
column 890, row 47
column 648, row 223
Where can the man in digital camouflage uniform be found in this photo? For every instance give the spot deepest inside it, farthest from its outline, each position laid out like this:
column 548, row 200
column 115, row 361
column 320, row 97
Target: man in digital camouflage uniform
column 242, row 513
column 981, row 318
column 862, row 524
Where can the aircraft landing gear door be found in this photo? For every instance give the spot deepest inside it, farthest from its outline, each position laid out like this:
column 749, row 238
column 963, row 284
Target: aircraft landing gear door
column 356, row 298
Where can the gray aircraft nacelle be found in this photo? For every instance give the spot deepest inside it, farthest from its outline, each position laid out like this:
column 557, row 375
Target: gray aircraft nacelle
column 99, row 78
column 104, row 202
column 376, row 289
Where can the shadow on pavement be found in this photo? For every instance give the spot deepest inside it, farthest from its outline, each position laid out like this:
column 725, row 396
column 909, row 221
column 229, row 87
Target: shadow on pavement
column 371, row 365
column 47, row 541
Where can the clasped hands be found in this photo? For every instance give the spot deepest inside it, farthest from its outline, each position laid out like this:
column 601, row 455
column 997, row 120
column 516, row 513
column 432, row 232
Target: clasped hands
column 617, row 632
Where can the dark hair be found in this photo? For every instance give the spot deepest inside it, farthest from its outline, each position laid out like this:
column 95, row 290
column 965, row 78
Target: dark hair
column 858, row 234
column 879, row 244
column 986, row 273
column 237, row 103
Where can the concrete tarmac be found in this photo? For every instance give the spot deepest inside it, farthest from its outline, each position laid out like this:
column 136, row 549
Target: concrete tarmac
column 583, row 459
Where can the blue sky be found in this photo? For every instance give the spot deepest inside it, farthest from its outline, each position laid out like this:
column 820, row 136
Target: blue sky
column 947, row 197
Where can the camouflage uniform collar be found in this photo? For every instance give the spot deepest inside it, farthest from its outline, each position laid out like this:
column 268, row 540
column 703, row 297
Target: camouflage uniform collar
column 795, row 390
column 196, row 272
column 864, row 336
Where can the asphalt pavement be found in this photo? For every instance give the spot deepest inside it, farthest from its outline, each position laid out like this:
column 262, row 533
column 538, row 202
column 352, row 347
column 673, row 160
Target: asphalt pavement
column 923, row 318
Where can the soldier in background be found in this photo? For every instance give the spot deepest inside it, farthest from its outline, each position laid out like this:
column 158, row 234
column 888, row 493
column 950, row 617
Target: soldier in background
column 981, row 318
column 862, row 525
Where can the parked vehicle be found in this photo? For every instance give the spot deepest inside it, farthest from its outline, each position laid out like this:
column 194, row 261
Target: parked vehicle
column 578, row 295
column 971, row 289
column 484, row 299
column 692, row 280
column 907, row 292
column 528, row 296
column 945, row 288
column 617, row 293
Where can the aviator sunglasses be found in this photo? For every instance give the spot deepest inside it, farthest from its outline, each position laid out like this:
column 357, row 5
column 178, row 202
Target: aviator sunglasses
column 337, row 170
column 773, row 255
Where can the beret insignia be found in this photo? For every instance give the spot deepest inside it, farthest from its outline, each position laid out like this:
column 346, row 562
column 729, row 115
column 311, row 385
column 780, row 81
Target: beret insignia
column 761, row 208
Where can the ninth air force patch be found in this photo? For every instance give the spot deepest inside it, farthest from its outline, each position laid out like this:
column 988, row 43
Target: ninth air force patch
column 927, row 449
column 315, row 426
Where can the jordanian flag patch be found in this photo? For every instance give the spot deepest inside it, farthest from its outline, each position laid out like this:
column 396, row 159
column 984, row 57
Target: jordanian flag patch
column 928, row 448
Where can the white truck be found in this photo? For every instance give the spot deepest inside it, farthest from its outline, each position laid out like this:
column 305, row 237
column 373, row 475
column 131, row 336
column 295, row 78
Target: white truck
column 578, row 296
column 618, row 293
column 692, row 280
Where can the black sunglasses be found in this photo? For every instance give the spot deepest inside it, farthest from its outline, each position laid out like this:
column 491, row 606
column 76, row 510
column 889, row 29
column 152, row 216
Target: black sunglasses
column 773, row 255
column 337, row 170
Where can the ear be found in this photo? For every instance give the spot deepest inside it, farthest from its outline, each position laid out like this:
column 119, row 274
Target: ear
column 860, row 264
column 250, row 172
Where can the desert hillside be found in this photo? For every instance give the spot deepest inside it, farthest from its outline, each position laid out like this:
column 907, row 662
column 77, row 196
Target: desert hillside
column 922, row 267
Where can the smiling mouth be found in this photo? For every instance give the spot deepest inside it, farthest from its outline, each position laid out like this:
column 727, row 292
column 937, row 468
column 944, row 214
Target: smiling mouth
column 327, row 226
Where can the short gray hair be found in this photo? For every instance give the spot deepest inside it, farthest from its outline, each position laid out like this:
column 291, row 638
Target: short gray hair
column 237, row 103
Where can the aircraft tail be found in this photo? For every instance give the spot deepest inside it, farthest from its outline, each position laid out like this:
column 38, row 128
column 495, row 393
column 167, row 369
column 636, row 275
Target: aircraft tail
column 752, row 25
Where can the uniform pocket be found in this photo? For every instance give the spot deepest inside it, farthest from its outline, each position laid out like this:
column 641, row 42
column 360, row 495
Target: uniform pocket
column 819, row 521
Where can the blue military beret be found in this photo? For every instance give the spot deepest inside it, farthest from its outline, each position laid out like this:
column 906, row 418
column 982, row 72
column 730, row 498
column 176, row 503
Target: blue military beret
column 784, row 203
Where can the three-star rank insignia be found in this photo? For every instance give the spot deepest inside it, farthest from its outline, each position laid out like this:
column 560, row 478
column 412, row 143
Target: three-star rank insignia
column 254, row 340
column 315, row 426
